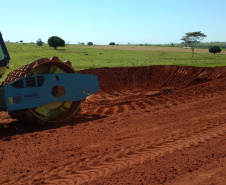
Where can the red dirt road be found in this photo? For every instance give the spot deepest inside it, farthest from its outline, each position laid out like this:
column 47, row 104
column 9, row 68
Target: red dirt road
column 147, row 125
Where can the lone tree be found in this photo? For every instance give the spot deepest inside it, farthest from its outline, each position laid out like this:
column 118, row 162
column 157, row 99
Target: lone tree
column 191, row 39
column 112, row 43
column 214, row 49
column 55, row 42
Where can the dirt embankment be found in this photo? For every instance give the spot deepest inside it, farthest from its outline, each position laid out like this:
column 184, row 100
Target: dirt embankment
column 153, row 77
column 146, row 125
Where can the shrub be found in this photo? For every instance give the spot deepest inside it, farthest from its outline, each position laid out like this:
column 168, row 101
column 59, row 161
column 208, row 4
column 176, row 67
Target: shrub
column 39, row 42
column 90, row 43
column 214, row 49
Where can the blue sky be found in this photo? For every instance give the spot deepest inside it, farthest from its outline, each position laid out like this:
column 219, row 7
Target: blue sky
column 105, row 21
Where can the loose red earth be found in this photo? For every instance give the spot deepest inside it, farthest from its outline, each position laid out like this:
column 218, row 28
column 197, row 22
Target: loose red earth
column 146, row 125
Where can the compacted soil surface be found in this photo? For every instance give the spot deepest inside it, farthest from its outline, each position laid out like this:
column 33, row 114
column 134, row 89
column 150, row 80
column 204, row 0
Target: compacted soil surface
column 146, row 125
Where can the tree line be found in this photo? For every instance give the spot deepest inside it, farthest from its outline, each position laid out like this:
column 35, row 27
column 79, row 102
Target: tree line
column 190, row 39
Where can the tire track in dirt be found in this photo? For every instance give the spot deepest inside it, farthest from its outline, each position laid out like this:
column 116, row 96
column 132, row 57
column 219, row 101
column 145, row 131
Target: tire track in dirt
column 152, row 103
column 127, row 157
column 138, row 157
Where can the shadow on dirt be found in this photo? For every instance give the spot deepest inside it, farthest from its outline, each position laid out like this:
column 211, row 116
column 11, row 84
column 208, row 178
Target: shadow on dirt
column 7, row 130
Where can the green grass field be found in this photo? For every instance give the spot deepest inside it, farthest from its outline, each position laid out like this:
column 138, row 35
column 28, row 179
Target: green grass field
column 113, row 56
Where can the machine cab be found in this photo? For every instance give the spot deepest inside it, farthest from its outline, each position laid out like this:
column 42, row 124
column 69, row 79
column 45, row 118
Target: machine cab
column 4, row 56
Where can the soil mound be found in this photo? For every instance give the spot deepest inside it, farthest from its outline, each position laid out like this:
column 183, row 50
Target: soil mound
column 154, row 77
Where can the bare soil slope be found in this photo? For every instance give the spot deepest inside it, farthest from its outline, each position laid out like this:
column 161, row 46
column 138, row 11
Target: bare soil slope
column 147, row 125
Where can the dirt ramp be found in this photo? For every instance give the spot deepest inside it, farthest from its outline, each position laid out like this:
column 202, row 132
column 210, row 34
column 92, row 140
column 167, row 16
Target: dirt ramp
column 154, row 77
